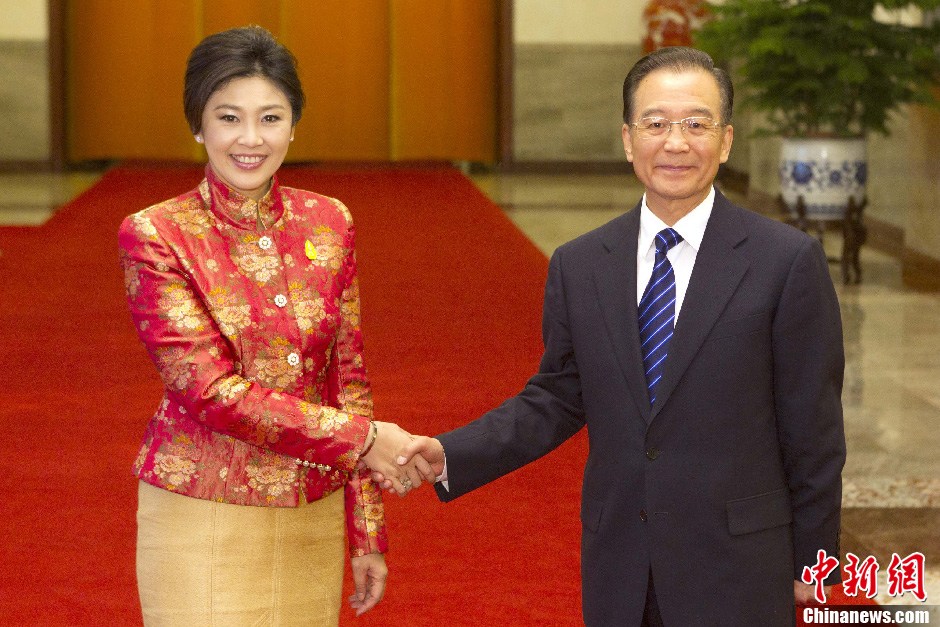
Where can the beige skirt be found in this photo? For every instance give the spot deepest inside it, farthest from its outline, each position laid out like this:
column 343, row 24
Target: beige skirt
column 205, row 563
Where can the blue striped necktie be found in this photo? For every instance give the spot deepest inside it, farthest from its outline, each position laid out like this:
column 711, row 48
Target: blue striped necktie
column 658, row 312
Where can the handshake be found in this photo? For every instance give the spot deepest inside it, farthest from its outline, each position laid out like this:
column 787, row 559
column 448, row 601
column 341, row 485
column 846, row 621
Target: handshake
column 400, row 461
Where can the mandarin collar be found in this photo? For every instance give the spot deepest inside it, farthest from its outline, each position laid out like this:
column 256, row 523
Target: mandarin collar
column 236, row 208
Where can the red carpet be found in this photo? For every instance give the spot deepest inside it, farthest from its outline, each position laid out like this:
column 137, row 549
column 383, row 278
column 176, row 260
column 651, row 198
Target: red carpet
column 451, row 297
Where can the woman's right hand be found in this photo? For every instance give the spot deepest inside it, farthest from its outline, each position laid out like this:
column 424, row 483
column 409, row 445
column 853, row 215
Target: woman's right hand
column 390, row 442
column 369, row 574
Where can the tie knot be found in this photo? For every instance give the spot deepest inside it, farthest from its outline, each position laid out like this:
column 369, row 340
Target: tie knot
column 666, row 239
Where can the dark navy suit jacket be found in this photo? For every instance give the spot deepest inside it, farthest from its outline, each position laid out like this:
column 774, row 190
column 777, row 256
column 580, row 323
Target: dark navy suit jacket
column 731, row 482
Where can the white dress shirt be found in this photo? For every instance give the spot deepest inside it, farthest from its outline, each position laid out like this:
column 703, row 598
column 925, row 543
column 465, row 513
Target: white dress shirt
column 682, row 256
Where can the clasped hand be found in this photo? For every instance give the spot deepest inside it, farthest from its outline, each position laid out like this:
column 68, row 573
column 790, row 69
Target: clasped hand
column 401, row 461
column 394, row 464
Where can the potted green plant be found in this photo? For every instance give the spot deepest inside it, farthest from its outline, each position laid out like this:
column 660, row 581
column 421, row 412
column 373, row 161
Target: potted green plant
column 825, row 73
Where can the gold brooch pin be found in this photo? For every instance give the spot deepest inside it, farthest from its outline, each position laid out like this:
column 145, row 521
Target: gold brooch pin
column 311, row 250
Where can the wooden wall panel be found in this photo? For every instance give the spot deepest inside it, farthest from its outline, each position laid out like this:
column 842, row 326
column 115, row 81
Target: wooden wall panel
column 444, row 79
column 384, row 79
column 219, row 15
column 342, row 52
column 124, row 70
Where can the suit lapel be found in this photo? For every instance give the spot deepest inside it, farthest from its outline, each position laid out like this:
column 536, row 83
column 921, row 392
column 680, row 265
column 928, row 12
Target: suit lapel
column 615, row 279
column 717, row 272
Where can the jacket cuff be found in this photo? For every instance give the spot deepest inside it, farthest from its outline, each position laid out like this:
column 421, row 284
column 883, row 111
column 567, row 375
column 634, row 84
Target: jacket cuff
column 365, row 516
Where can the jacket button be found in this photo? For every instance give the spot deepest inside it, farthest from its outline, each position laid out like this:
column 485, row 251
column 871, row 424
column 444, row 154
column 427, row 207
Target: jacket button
column 280, row 300
column 293, row 359
column 643, row 515
column 652, row 453
column 264, row 243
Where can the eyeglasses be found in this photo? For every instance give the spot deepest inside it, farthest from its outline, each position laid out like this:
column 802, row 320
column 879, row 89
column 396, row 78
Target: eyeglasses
column 695, row 126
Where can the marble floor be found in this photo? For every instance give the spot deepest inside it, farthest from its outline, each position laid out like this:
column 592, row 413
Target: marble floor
column 892, row 340
column 30, row 198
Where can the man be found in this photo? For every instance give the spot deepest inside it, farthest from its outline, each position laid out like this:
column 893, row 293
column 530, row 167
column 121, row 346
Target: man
column 701, row 344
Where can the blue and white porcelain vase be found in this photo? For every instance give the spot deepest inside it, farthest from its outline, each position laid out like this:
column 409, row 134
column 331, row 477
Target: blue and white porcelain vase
column 825, row 172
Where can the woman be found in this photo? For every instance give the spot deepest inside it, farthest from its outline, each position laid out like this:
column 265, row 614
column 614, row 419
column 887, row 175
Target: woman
column 245, row 295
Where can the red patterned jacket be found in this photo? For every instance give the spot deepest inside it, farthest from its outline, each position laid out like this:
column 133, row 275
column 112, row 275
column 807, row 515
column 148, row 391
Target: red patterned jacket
column 250, row 311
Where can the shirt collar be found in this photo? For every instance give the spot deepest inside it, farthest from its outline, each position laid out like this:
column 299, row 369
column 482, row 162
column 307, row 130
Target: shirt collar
column 238, row 209
column 691, row 226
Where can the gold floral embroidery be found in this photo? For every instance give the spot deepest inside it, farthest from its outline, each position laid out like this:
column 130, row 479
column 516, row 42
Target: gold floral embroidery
column 175, row 464
column 144, row 226
column 311, row 414
column 260, row 431
column 271, row 368
column 271, row 479
column 343, row 210
column 330, row 419
column 348, row 458
column 231, row 313
column 374, row 515
column 288, row 209
column 187, row 264
column 229, row 388
column 349, row 308
column 174, row 368
column 141, row 457
column 132, row 279
column 357, row 398
column 312, row 393
column 308, row 307
column 329, row 249
column 180, row 307
column 254, row 262
column 193, row 221
column 173, row 470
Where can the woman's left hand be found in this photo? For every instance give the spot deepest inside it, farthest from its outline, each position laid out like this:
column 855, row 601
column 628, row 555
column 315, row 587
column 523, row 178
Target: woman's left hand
column 369, row 575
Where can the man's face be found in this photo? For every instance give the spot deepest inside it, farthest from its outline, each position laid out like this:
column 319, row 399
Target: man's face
column 677, row 168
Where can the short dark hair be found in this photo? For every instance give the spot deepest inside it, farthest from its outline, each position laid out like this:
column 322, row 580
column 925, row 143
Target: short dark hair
column 677, row 59
column 238, row 53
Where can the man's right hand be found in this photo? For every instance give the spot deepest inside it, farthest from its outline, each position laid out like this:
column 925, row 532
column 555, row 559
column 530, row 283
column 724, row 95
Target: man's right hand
column 428, row 455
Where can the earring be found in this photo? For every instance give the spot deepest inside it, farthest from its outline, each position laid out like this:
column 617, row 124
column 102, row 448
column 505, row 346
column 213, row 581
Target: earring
column 198, row 139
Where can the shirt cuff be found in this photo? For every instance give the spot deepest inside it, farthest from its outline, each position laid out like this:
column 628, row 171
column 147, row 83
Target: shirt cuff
column 442, row 478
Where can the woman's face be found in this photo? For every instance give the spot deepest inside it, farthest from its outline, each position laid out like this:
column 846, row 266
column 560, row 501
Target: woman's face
column 246, row 127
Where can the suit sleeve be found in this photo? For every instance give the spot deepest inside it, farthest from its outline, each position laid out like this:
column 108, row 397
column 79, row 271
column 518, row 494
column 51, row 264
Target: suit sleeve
column 809, row 363
column 541, row 417
column 201, row 373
